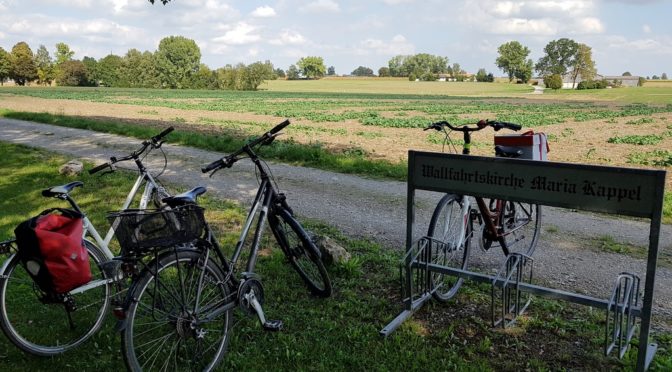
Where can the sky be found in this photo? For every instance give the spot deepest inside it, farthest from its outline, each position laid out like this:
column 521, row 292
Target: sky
column 625, row 35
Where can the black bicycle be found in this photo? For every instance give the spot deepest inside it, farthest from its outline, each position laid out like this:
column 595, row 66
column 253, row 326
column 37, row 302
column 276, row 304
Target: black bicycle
column 180, row 309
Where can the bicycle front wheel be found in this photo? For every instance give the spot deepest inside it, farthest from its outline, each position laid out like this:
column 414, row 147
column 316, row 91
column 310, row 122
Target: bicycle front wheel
column 302, row 253
column 449, row 226
column 47, row 328
column 521, row 223
column 176, row 319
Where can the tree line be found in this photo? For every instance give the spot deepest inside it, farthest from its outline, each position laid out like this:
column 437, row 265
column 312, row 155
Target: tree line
column 175, row 64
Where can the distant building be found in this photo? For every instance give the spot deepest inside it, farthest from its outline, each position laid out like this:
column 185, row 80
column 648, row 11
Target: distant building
column 624, row 81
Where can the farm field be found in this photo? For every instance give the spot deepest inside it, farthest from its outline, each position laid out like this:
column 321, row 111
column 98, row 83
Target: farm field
column 382, row 119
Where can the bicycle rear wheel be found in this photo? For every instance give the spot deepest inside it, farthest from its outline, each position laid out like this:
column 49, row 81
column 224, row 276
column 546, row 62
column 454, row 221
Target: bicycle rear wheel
column 48, row 328
column 302, row 253
column 521, row 224
column 449, row 227
column 176, row 318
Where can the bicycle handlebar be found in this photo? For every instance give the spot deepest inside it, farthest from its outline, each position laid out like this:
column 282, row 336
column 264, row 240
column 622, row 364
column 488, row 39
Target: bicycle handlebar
column 227, row 161
column 496, row 125
column 160, row 136
column 155, row 142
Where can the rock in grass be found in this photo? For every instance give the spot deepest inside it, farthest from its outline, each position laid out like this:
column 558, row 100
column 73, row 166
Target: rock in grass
column 331, row 251
column 71, row 168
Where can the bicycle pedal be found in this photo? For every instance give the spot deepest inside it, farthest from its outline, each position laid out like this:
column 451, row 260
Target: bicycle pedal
column 273, row 325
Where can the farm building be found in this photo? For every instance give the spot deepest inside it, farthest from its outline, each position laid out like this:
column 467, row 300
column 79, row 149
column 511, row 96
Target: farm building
column 624, row 81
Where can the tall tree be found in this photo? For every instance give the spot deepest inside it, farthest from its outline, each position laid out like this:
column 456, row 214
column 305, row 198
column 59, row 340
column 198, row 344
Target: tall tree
column 513, row 61
column 395, row 65
column 45, row 66
column 362, row 71
column 559, row 57
column 108, row 70
column 312, row 67
column 663, row 76
column 91, row 70
column 458, row 73
column 63, row 53
column 481, row 75
column 331, row 71
column 177, row 59
column 73, row 73
column 23, row 64
column 384, row 72
column 293, row 73
column 583, row 65
column 5, row 66
column 627, row 73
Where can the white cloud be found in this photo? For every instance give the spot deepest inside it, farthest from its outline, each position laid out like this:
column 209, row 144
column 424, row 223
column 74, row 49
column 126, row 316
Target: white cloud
column 42, row 27
column 534, row 18
column 239, row 34
column 660, row 46
column 396, row 2
column 646, row 28
column 589, row 25
column 264, row 12
column 289, row 37
column 398, row 45
column 321, row 6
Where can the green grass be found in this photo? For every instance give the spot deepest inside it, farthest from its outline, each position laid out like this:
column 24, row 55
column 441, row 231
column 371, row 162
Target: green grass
column 349, row 160
column 339, row 333
column 647, row 139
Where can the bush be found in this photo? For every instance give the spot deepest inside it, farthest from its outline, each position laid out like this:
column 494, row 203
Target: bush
column 412, row 77
column 592, row 84
column 428, row 76
column 553, row 81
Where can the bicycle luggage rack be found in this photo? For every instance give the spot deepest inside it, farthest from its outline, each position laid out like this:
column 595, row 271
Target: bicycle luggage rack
column 623, row 191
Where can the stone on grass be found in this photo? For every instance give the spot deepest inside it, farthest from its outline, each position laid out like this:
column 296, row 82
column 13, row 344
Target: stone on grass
column 71, row 168
column 331, row 251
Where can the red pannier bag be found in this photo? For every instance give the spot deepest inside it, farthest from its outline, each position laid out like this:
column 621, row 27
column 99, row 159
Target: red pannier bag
column 51, row 248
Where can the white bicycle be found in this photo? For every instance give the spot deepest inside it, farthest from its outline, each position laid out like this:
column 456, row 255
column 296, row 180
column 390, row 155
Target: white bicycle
column 45, row 324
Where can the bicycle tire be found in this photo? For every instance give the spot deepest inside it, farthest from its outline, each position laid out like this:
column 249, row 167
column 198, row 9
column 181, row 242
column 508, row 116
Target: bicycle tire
column 521, row 225
column 302, row 253
column 43, row 329
column 161, row 316
column 445, row 226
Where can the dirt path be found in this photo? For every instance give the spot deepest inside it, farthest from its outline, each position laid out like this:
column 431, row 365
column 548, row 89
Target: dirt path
column 376, row 210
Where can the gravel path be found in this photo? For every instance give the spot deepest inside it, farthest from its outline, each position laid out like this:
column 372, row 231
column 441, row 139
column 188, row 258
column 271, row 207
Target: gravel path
column 376, row 209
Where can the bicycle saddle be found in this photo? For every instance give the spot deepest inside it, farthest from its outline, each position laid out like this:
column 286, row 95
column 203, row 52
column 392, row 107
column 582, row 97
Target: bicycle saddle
column 187, row 197
column 61, row 190
column 506, row 152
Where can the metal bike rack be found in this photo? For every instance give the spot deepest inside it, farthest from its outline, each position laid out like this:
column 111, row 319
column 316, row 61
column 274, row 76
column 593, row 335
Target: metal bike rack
column 623, row 191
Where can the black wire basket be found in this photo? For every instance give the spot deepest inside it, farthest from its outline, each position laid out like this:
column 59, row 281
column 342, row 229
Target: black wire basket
column 142, row 231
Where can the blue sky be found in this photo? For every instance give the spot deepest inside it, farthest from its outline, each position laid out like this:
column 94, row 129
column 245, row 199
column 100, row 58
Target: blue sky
column 625, row 35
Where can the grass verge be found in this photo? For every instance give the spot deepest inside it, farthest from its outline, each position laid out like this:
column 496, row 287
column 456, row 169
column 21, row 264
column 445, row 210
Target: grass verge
column 339, row 333
column 313, row 155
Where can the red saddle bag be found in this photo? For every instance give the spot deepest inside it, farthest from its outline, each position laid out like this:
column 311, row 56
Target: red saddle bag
column 52, row 250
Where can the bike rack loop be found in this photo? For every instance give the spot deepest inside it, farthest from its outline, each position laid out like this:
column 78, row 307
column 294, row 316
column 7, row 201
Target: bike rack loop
column 613, row 190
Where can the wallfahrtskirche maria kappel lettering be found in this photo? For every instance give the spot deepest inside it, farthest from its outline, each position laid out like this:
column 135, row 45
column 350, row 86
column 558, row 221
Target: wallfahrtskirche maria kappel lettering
column 587, row 188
